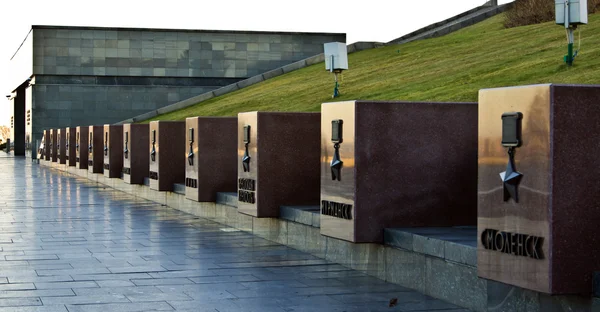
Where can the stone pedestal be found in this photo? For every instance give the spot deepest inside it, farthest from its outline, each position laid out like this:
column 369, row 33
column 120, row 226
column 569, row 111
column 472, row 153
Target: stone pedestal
column 95, row 149
column 396, row 164
column 167, row 164
column 211, row 164
column 135, row 153
column 278, row 161
column 113, row 151
column 538, row 212
column 52, row 145
column 60, row 146
column 70, row 146
column 81, row 147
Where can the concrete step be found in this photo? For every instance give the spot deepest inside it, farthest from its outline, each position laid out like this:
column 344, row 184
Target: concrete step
column 456, row 244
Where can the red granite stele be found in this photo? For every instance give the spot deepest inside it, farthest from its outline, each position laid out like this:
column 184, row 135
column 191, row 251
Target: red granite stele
column 42, row 152
column 211, row 164
column 52, row 145
column 46, row 150
column 60, row 146
column 136, row 160
column 167, row 164
column 70, row 146
column 113, row 151
column 404, row 164
column 284, row 161
column 95, row 149
column 81, row 147
column 557, row 209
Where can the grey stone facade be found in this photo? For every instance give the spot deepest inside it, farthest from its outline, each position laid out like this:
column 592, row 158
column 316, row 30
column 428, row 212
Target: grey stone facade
column 89, row 75
column 139, row 52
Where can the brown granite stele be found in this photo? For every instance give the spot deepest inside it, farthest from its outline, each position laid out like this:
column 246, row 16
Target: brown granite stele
column 167, row 165
column 557, row 194
column 404, row 164
column 70, row 144
column 52, row 145
column 284, row 161
column 136, row 159
column 211, row 149
column 60, row 146
column 81, row 147
column 113, row 151
column 46, row 150
column 95, row 149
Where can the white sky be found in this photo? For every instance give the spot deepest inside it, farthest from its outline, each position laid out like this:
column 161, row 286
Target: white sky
column 374, row 20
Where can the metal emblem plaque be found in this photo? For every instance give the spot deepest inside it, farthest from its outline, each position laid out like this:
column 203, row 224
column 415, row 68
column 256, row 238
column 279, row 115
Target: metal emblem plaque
column 511, row 129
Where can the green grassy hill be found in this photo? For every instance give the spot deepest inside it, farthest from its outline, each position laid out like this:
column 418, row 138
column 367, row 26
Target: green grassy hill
column 449, row 68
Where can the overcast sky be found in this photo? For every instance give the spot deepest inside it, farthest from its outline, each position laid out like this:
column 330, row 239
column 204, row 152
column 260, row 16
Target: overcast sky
column 374, row 20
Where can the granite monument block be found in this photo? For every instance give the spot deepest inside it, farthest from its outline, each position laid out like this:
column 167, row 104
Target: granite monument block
column 70, row 146
column 396, row 164
column 60, row 146
column 538, row 170
column 278, row 161
column 113, row 151
column 81, row 147
column 46, row 148
column 95, row 149
column 211, row 164
column 52, row 145
column 136, row 161
column 167, row 164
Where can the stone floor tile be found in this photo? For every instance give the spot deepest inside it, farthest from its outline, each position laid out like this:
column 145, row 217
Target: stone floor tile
column 58, row 285
column 45, row 308
column 68, row 243
column 162, row 281
column 19, row 302
column 121, row 307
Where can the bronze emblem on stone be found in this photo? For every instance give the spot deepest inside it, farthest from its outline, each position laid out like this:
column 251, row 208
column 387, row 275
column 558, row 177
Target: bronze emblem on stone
column 246, row 157
column 191, row 153
column 90, row 145
column 153, row 152
column 105, row 143
column 336, row 139
column 511, row 138
column 126, row 151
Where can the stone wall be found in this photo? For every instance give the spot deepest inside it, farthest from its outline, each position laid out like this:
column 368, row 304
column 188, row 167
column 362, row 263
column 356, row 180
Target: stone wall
column 177, row 53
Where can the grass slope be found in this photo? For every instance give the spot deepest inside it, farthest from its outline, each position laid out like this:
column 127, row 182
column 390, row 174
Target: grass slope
column 449, row 68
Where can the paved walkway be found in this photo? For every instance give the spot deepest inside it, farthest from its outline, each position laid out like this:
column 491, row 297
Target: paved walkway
column 69, row 245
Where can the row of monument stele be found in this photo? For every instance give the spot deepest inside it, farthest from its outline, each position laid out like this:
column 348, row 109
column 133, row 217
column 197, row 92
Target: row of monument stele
column 522, row 164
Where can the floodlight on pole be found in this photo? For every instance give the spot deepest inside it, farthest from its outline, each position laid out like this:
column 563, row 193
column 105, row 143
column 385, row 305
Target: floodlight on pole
column 570, row 14
column 336, row 60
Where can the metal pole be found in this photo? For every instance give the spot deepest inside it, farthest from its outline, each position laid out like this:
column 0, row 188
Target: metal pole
column 336, row 90
column 569, row 59
column 569, row 56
